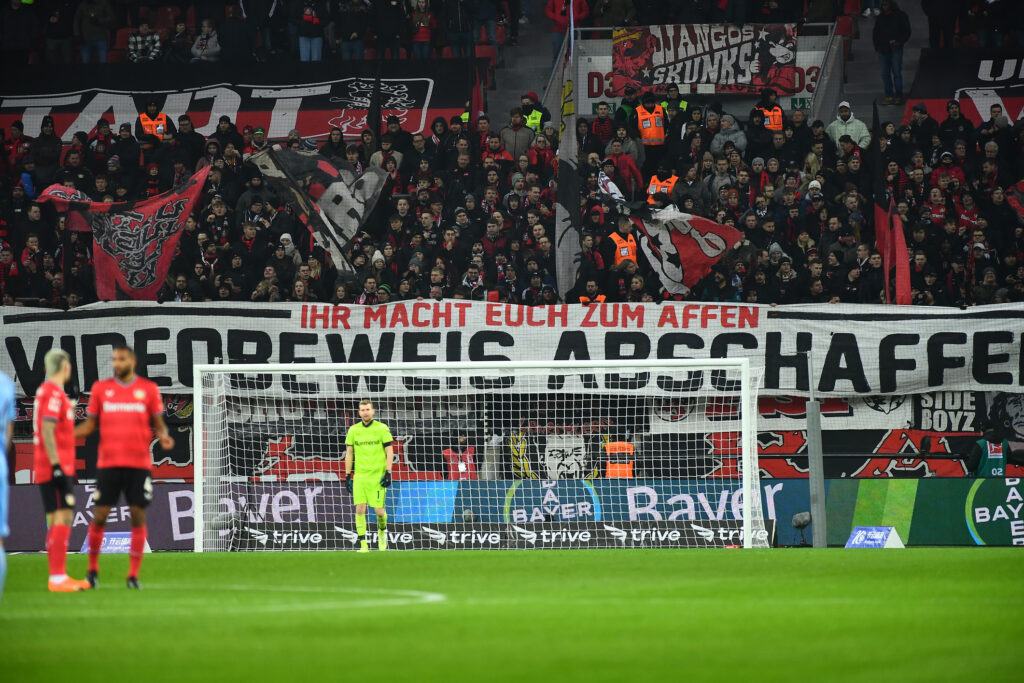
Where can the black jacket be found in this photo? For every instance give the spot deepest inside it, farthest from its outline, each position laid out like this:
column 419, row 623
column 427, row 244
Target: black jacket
column 891, row 27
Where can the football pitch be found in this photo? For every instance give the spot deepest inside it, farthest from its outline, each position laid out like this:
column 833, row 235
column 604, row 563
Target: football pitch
column 921, row 614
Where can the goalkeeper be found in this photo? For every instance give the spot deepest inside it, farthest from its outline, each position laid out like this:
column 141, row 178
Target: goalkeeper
column 368, row 459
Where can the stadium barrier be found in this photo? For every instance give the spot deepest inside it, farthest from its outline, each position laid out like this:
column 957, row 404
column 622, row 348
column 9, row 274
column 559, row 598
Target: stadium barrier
column 634, row 513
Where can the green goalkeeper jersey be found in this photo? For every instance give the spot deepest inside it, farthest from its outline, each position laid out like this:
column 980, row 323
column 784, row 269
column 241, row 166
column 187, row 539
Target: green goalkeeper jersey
column 368, row 442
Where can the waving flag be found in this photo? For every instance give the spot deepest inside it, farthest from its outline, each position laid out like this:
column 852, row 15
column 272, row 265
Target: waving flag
column 134, row 241
column 329, row 197
column 683, row 248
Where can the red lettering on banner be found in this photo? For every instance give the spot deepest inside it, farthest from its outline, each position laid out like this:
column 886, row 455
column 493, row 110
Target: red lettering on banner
column 377, row 315
column 558, row 314
column 749, row 316
column 302, row 318
column 634, row 314
column 417, row 308
column 518, row 310
column 668, row 317
column 728, row 315
column 610, row 316
column 442, row 315
column 492, row 318
column 462, row 307
column 321, row 314
column 707, row 314
column 339, row 316
column 530, row 318
column 399, row 316
column 588, row 317
column 689, row 313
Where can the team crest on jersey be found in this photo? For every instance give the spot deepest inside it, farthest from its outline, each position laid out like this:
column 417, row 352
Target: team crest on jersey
column 139, row 394
column 108, row 393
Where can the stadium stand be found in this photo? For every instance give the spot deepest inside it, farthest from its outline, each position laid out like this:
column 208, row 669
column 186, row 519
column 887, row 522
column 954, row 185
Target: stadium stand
column 802, row 193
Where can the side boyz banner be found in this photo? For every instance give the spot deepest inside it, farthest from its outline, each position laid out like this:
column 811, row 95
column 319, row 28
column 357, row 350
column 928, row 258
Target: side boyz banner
column 850, row 350
column 272, row 96
column 730, row 58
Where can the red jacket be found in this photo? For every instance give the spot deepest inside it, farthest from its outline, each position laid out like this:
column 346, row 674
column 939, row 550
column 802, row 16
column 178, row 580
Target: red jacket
column 628, row 171
column 558, row 12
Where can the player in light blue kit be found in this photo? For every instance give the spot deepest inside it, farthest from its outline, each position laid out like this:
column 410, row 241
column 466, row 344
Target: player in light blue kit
column 7, row 413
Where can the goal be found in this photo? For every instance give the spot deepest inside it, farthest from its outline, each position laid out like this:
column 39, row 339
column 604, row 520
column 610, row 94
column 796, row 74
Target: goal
column 488, row 455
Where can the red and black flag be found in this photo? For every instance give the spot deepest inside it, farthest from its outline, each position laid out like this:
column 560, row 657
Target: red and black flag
column 682, row 248
column 134, row 241
column 889, row 235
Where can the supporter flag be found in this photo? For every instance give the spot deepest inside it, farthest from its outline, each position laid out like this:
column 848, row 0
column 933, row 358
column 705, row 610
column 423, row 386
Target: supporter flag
column 889, row 236
column 606, row 186
column 683, row 248
column 568, row 249
column 134, row 242
column 329, row 198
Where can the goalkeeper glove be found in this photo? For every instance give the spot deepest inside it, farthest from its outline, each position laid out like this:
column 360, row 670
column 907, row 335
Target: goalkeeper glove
column 348, row 482
column 385, row 481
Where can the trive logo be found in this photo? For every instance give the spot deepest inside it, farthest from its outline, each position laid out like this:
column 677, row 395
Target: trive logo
column 472, row 538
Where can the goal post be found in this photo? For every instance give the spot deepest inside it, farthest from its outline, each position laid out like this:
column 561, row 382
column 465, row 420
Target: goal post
column 489, row 455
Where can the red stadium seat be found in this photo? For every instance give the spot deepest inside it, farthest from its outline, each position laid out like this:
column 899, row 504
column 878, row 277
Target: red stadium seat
column 488, row 51
column 166, row 17
column 121, row 38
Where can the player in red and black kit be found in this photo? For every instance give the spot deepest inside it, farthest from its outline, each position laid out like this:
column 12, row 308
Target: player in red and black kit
column 53, row 442
column 128, row 410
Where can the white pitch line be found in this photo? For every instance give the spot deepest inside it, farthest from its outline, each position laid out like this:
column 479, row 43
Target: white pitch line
column 185, row 607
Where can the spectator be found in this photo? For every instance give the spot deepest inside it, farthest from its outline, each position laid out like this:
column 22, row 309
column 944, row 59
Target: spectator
column 558, row 12
column 58, row 31
column 423, row 24
column 311, row 20
column 144, row 45
column 206, row 47
column 391, row 21
column 350, row 23
column 92, row 20
column 890, row 33
column 179, row 45
column 459, row 18
column 847, row 124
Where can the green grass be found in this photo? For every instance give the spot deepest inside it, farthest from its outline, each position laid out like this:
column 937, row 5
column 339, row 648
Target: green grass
column 790, row 615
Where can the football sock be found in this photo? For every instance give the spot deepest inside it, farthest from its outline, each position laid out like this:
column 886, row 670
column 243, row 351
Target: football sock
column 382, row 522
column 3, row 570
column 361, row 526
column 137, row 547
column 57, row 550
column 95, row 541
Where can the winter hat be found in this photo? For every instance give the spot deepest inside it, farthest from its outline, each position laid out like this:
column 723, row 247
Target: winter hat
column 378, row 256
column 728, row 118
column 757, row 160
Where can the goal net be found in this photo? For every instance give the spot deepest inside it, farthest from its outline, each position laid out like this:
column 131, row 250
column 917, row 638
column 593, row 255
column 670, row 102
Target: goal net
column 573, row 454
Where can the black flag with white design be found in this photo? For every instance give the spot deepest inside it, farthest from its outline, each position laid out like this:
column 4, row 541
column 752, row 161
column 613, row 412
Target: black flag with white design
column 329, row 197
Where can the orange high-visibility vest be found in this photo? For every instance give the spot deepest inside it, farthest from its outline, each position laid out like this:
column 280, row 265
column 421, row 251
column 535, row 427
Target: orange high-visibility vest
column 599, row 299
column 657, row 185
column 651, row 125
column 149, row 125
column 625, row 247
column 620, row 459
column 772, row 117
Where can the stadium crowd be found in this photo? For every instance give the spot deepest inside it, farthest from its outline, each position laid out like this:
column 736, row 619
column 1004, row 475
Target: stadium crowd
column 471, row 213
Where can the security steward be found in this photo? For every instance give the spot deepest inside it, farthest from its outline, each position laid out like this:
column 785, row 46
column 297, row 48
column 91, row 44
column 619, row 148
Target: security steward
column 152, row 124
